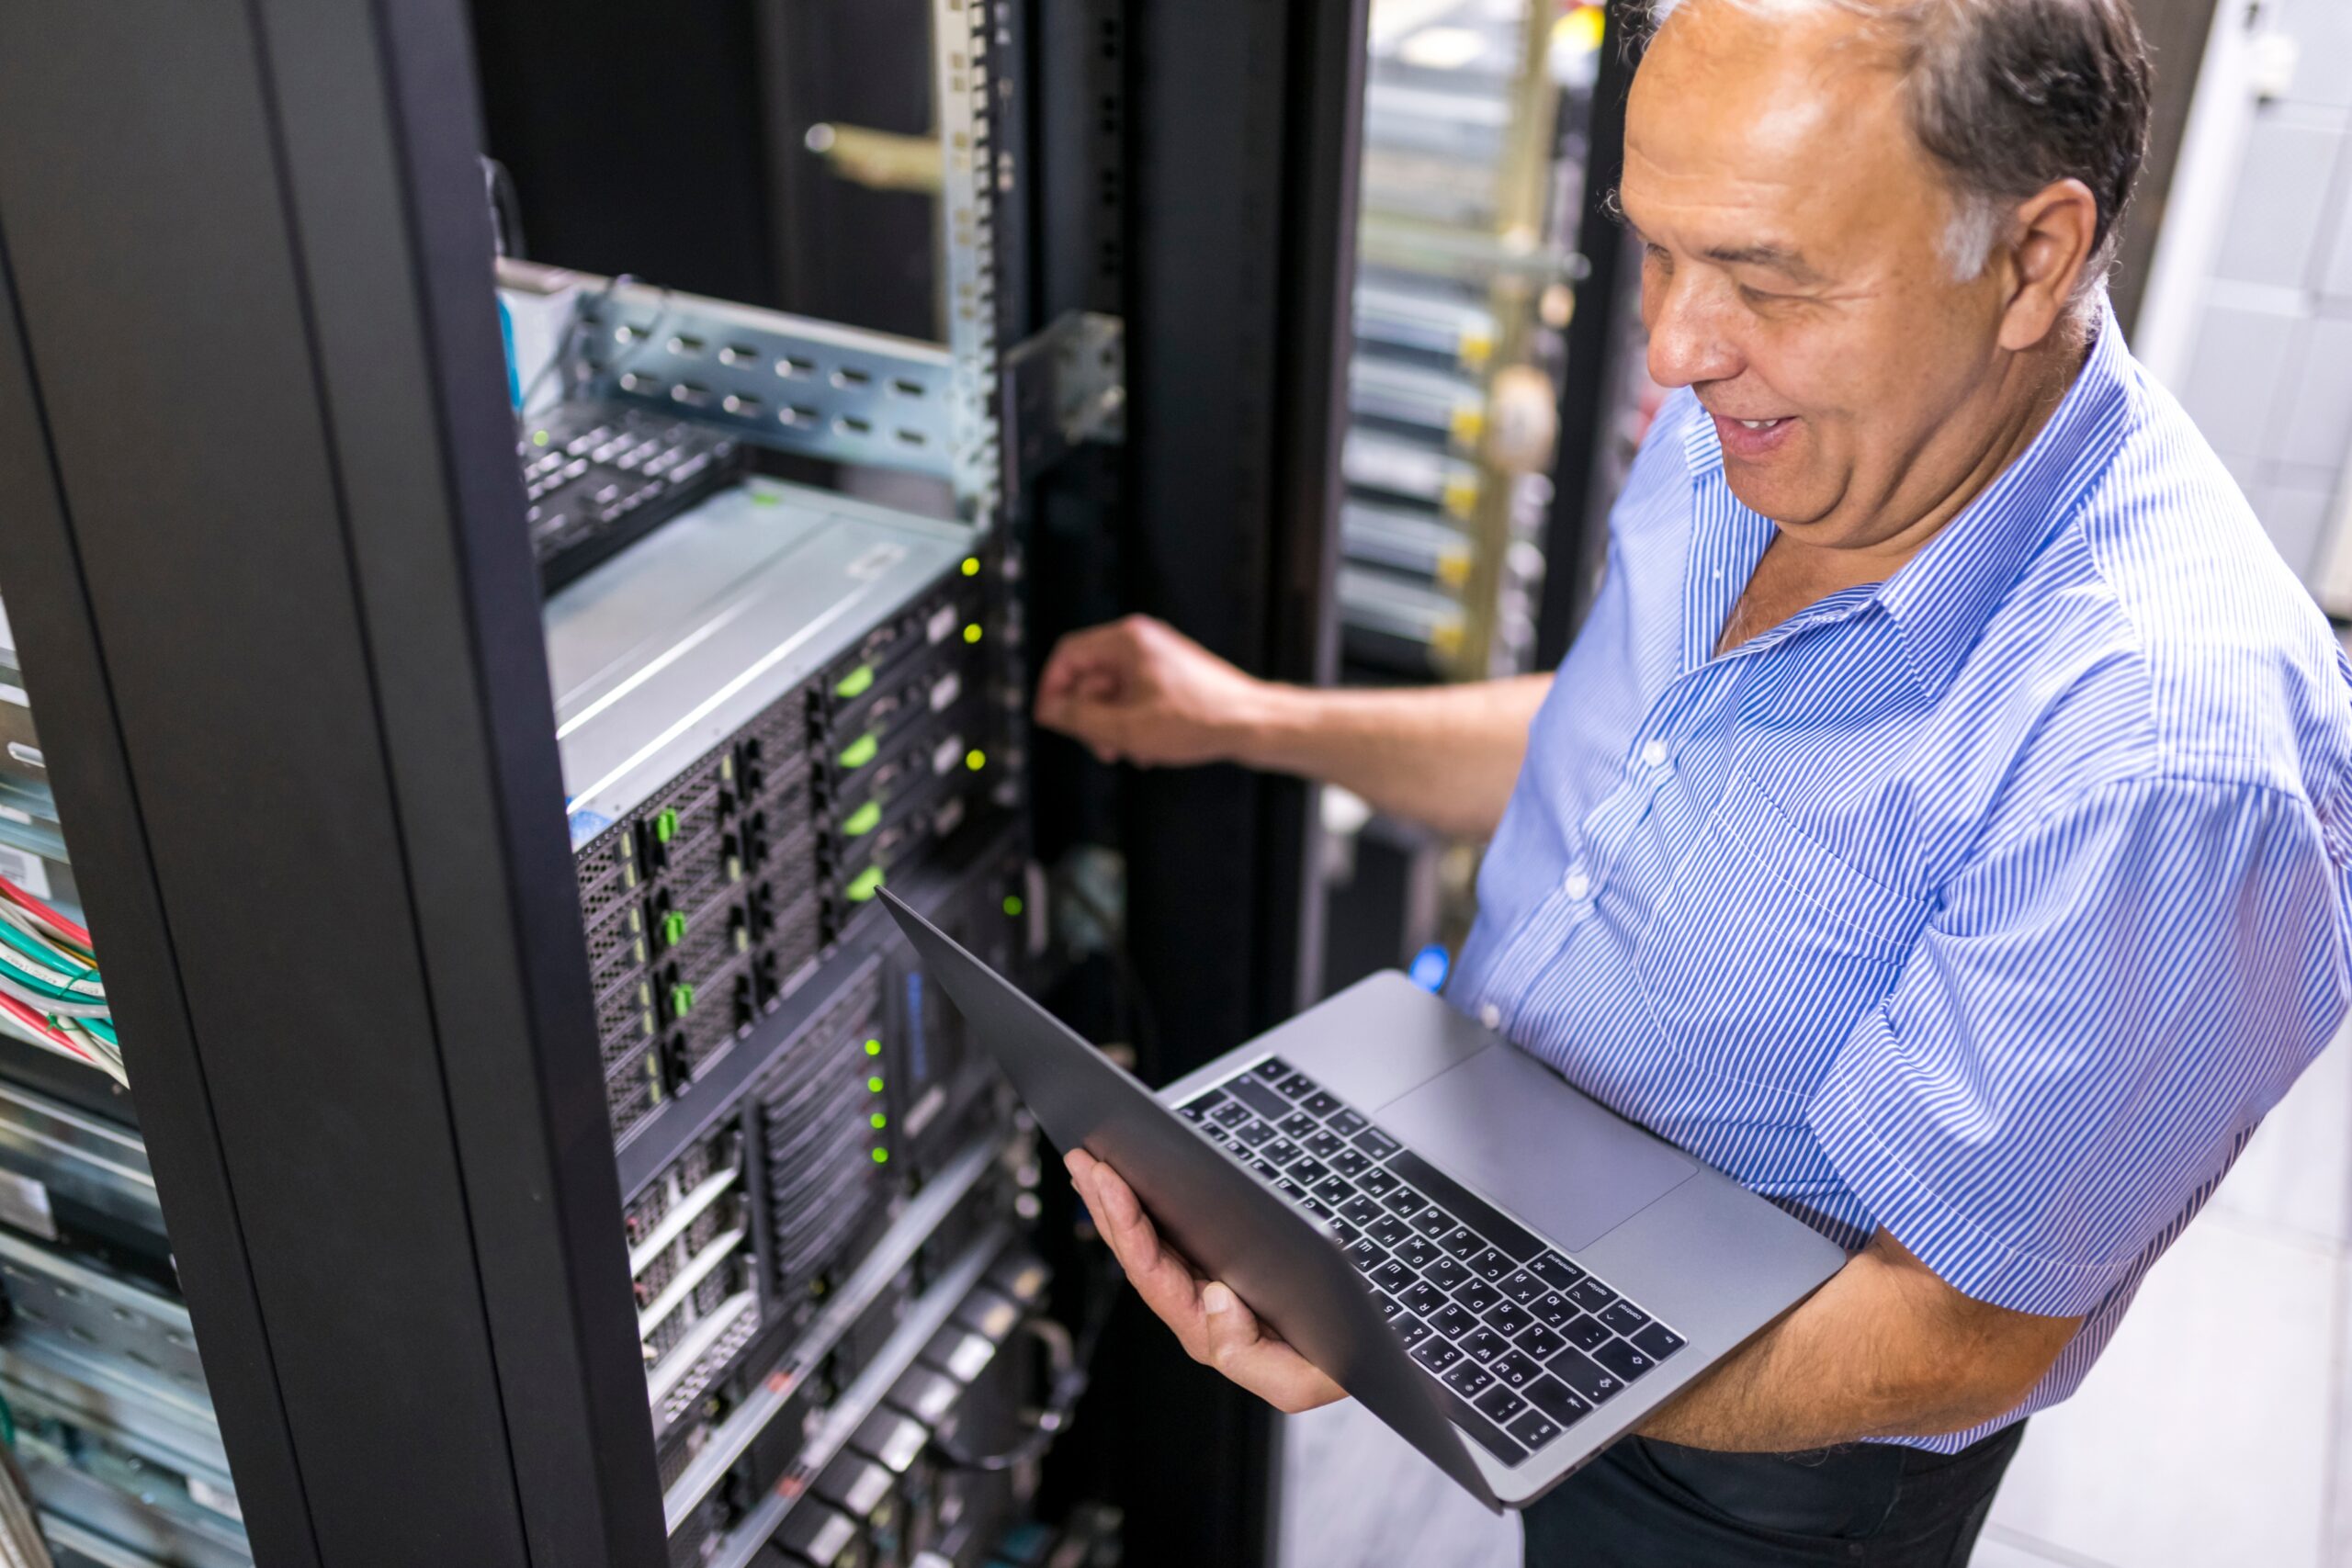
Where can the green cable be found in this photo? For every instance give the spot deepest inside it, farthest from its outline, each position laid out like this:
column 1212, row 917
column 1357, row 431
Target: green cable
column 101, row 1027
column 33, row 948
column 39, row 986
column 8, row 1423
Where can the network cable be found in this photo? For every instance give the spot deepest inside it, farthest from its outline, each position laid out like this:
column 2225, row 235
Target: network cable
column 52, row 995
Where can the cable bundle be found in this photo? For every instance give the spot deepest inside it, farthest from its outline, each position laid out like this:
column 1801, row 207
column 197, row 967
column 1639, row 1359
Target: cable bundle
column 49, row 990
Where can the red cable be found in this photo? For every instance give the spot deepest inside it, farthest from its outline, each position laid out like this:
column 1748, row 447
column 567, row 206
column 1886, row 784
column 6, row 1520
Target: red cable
column 39, row 1025
column 18, row 896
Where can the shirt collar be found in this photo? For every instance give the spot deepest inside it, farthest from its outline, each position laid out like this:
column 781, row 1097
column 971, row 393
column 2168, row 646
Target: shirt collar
column 1943, row 597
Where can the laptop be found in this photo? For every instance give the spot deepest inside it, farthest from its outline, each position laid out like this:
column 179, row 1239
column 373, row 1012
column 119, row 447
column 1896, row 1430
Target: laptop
column 1505, row 1272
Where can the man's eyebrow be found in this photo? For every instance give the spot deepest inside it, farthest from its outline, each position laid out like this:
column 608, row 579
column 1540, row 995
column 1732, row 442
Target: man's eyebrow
column 1785, row 262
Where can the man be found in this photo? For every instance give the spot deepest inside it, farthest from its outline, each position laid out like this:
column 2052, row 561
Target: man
column 1939, row 824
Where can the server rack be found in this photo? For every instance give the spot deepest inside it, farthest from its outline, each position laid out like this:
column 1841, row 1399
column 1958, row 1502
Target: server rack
column 315, row 803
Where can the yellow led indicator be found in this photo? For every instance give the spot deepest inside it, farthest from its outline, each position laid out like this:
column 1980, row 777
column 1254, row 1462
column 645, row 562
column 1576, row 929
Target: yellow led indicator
column 1013, row 903
column 539, row 438
column 873, row 1085
column 971, row 566
column 975, row 759
column 878, row 1121
column 874, row 1047
column 972, row 632
column 881, row 1157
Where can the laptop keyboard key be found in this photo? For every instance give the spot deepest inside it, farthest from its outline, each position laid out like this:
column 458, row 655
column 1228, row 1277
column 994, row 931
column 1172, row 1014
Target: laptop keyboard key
column 1350, row 1163
column 1507, row 1319
column 1586, row 1376
column 1346, row 1122
column 1281, row 1151
column 1625, row 1318
column 1658, row 1341
column 1623, row 1359
column 1446, row 1273
column 1453, row 1322
column 1484, row 1345
column 1584, row 1333
column 1377, row 1182
column 1348, row 1235
column 1308, row 1171
column 1259, row 1097
column 1434, row 1222
column 1555, row 1271
column 1522, row 1287
column 1436, row 1354
column 1468, row 1379
column 1506, row 1233
column 1273, row 1069
column 1557, row 1399
column 1395, row 1279
column 1553, row 1310
column 1411, row 1329
column 1491, row 1265
column 1388, row 1230
column 1376, row 1143
column 1538, row 1341
column 1231, row 1113
column 1323, row 1144
column 1591, row 1294
column 1462, row 1242
column 1254, row 1132
column 1405, row 1201
column 1298, row 1086
column 1423, row 1297
column 1332, row 1190
column 1515, row 1369
column 1479, row 1297
column 1390, row 1307
column 1419, row 1252
column 1319, row 1104
column 1501, row 1403
column 1534, row 1429
column 1362, row 1210
column 1267, row 1170
column 1197, row 1108
column 1298, row 1124
column 1366, row 1254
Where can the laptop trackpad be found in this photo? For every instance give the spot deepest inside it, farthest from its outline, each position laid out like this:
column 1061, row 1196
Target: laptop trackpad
column 1506, row 1124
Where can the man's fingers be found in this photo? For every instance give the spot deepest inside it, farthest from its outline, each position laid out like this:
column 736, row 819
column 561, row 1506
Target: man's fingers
column 1256, row 1359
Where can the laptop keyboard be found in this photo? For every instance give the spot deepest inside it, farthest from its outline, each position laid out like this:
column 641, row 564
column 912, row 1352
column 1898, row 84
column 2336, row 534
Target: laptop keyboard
column 1524, row 1343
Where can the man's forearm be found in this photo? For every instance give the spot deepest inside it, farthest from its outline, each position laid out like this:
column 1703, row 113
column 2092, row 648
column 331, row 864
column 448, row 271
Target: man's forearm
column 1446, row 756
column 1882, row 1350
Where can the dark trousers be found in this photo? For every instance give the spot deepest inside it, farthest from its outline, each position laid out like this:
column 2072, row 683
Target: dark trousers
column 1650, row 1504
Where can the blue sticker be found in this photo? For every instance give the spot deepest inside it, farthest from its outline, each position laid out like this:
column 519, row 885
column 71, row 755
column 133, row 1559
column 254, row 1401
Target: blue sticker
column 1430, row 968
column 587, row 825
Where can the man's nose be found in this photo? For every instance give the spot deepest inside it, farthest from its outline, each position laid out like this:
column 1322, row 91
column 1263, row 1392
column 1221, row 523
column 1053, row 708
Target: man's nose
column 1688, row 343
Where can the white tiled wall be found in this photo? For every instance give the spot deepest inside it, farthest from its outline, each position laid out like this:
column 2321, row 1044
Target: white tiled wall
column 2270, row 381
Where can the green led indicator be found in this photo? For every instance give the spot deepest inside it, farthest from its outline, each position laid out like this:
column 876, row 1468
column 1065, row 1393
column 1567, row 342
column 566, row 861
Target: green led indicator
column 665, row 826
column 873, row 1085
column 856, row 683
column 972, row 632
column 868, row 883
column 674, row 928
column 861, row 751
column 976, row 759
column 540, row 438
column 881, row 1157
column 878, row 1121
column 681, row 1000
column 874, row 1047
column 1013, row 903
column 863, row 820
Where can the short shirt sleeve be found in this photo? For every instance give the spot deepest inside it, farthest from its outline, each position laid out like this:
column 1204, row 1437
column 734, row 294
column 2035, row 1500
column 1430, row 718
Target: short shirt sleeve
column 2107, row 1000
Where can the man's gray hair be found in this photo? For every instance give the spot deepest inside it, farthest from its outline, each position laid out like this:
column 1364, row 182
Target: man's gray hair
column 2008, row 96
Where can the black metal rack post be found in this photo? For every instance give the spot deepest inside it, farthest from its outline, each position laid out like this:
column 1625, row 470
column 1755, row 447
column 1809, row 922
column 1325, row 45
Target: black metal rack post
column 264, row 557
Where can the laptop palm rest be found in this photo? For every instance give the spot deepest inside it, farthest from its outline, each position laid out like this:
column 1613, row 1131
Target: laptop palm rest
column 1505, row 1124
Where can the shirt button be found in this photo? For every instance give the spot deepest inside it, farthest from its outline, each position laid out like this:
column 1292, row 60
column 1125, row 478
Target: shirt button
column 1490, row 1015
column 1654, row 753
column 1577, row 884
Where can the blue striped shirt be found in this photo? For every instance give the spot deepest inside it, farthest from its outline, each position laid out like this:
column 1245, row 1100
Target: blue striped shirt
column 1993, row 906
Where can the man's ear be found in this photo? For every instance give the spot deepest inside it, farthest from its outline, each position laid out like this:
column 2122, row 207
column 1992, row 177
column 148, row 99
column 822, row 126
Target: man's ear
column 2052, row 234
